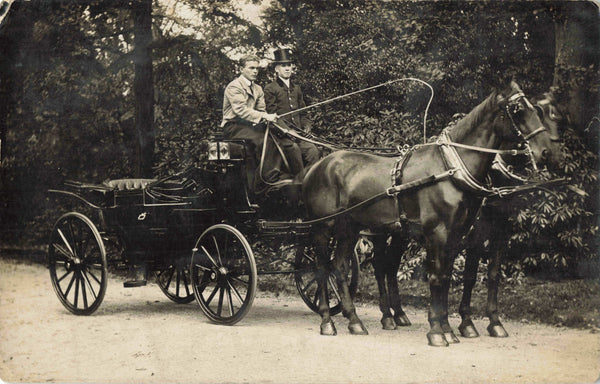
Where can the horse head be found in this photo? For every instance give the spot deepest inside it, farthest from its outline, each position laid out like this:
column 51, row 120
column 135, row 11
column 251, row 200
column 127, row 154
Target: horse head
column 527, row 128
column 550, row 113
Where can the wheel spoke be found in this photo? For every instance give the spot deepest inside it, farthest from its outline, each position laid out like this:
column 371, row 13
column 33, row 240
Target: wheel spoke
column 83, row 294
column 210, row 257
column 202, row 267
column 310, row 259
column 76, row 299
column 89, row 283
column 73, row 238
column 72, row 255
column 310, row 283
column 70, row 285
column 334, row 288
column 186, row 284
column 217, row 249
column 63, row 276
column 203, row 284
column 170, row 271
column 237, row 293
column 220, row 305
column 229, row 301
column 94, row 276
column 236, row 278
column 178, row 282
column 212, row 295
column 62, row 251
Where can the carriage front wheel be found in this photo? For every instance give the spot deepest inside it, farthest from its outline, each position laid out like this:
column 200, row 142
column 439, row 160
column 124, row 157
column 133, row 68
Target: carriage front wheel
column 77, row 263
column 224, row 274
column 306, row 277
column 174, row 281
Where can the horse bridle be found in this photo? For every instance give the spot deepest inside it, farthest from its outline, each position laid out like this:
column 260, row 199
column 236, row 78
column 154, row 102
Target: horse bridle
column 512, row 107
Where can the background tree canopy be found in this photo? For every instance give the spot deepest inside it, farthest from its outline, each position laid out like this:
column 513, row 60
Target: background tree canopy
column 71, row 109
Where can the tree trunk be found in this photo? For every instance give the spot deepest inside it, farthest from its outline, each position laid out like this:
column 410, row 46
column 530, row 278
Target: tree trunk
column 576, row 62
column 143, row 87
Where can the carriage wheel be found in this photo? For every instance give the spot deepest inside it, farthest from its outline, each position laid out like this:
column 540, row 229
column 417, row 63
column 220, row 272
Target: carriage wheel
column 223, row 274
column 77, row 263
column 306, row 279
column 175, row 282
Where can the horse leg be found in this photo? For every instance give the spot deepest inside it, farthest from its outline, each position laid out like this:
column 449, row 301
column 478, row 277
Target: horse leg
column 435, row 336
column 466, row 327
column 379, row 265
column 495, row 328
column 399, row 243
column 448, row 332
column 346, row 238
column 441, row 253
column 321, row 243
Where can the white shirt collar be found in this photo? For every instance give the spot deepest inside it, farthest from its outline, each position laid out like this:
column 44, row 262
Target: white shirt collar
column 285, row 81
column 246, row 81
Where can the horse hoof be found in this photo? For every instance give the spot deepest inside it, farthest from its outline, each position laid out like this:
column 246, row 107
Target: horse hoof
column 328, row 329
column 388, row 324
column 451, row 338
column 468, row 331
column 402, row 321
column 437, row 340
column 357, row 329
column 497, row 330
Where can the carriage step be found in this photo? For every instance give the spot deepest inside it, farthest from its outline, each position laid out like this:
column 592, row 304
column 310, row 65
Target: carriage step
column 134, row 283
column 137, row 275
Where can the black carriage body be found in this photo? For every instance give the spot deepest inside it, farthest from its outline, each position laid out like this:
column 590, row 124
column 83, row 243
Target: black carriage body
column 157, row 221
column 190, row 229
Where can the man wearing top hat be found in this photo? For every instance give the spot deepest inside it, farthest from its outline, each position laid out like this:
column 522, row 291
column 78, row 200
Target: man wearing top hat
column 243, row 111
column 282, row 96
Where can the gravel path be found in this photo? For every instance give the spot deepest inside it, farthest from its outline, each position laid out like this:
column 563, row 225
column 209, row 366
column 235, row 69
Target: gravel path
column 139, row 336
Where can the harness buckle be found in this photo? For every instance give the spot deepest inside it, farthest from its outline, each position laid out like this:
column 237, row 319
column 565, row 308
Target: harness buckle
column 391, row 191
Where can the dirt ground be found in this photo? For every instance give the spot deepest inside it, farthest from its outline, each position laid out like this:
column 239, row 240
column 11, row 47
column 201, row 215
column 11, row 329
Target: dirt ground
column 139, row 336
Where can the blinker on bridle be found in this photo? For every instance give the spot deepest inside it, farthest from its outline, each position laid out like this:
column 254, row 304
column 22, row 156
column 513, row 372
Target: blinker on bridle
column 512, row 107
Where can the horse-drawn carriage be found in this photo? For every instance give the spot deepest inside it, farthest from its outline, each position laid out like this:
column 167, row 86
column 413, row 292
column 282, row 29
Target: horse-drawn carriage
column 191, row 229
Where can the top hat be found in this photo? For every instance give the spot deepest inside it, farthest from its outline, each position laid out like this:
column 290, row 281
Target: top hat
column 282, row 56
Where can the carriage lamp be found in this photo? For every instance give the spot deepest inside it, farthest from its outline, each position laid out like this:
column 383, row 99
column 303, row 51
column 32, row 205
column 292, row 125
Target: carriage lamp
column 218, row 151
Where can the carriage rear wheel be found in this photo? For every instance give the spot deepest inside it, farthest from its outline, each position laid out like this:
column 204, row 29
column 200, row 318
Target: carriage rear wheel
column 306, row 277
column 175, row 281
column 77, row 263
column 223, row 274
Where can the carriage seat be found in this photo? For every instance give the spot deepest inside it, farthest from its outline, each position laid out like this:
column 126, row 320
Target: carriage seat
column 128, row 184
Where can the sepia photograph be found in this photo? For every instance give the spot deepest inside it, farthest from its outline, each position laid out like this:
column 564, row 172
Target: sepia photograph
column 299, row 191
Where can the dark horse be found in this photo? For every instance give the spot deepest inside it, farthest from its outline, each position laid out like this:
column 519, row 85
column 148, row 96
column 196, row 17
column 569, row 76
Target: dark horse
column 440, row 196
column 492, row 224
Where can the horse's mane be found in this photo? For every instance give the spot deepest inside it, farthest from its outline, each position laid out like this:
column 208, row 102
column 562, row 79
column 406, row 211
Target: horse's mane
column 473, row 119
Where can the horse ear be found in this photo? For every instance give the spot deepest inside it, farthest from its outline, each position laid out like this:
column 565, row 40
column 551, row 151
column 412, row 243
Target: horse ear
column 514, row 86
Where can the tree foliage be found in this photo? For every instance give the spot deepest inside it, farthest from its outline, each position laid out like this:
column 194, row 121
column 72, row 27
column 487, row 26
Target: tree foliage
column 67, row 67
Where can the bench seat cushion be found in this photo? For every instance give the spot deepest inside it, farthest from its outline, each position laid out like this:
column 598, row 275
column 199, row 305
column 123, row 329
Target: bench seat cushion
column 128, row 184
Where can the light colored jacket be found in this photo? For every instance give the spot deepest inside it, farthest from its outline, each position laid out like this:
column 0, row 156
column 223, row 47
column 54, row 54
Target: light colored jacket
column 243, row 103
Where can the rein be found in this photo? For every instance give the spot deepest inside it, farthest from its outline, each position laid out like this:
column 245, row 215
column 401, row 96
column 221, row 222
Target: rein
column 455, row 168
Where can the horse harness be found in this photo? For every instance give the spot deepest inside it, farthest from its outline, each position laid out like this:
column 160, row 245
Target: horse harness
column 456, row 169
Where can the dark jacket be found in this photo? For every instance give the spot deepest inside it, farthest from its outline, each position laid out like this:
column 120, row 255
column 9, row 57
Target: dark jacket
column 280, row 99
